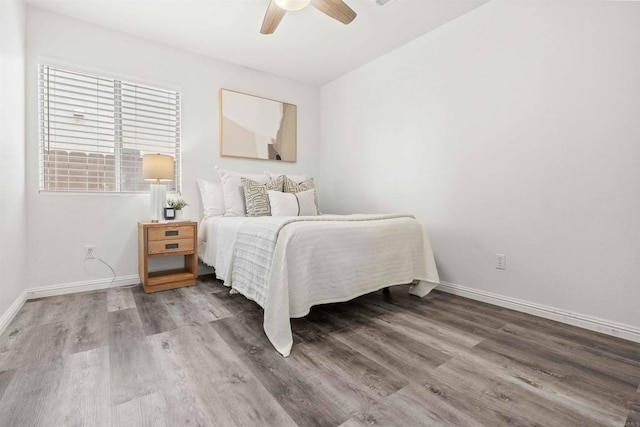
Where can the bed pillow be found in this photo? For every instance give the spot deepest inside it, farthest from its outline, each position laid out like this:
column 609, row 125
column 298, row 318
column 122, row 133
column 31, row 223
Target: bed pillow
column 233, row 191
column 212, row 198
column 293, row 204
column 291, row 186
column 256, row 197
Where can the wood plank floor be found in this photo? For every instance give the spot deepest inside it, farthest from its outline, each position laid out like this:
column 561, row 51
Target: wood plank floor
column 198, row 356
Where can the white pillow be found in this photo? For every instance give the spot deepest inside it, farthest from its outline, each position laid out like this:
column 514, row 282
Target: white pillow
column 212, row 198
column 233, row 191
column 296, row 178
column 293, row 204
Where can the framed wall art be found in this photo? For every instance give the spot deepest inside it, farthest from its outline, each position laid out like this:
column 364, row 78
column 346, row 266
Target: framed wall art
column 253, row 127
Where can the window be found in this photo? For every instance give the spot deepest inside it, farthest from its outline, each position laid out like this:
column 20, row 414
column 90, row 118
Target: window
column 95, row 130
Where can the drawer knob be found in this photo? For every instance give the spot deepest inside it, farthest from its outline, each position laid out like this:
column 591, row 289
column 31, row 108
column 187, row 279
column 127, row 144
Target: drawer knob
column 171, row 246
column 171, row 233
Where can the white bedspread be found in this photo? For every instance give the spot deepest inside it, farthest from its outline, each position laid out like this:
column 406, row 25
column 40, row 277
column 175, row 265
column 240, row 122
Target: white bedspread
column 316, row 260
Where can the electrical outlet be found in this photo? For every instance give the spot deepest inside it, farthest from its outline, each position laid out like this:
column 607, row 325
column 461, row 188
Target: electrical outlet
column 90, row 252
column 501, row 261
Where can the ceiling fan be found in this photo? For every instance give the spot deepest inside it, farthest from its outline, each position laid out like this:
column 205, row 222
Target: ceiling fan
column 336, row 9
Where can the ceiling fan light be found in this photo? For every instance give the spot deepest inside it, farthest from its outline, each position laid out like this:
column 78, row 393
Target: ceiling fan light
column 291, row 5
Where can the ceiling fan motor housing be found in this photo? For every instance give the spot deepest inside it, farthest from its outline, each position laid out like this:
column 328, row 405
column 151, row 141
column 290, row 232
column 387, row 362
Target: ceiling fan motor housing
column 292, row 5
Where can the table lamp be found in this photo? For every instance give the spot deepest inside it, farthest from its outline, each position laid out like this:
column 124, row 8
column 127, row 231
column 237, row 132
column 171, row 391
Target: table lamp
column 158, row 168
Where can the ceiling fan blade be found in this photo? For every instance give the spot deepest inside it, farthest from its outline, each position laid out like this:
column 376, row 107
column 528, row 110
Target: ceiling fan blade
column 272, row 18
column 337, row 9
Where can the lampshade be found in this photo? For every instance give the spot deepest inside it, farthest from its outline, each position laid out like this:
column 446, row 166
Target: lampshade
column 292, row 5
column 157, row 167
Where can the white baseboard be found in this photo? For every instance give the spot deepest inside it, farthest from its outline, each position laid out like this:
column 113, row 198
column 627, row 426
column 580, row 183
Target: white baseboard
column 615, row 329
column 11, row 312
column 87, row 285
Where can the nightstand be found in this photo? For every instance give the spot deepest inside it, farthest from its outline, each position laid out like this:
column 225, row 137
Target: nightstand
column 156, row 240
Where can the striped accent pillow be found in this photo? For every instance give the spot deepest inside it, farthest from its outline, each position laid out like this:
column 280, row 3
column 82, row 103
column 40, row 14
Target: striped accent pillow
column 256, row 197
column 293, row 204
column 291, row 186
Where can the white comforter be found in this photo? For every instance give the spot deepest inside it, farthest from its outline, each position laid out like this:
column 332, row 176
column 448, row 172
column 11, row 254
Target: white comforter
column 325, row 259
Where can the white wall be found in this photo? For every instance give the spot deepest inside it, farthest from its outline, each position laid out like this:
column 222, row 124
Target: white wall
column 12, row 163
column 61, row 225
column 514, row 129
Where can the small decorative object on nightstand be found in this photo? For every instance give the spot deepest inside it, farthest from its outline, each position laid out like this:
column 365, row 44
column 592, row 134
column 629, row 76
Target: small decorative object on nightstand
column 169, row 214
column 178, row 205
column 157, row 240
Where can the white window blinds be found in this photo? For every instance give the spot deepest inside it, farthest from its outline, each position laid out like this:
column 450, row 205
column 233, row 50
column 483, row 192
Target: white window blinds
column 95, row 130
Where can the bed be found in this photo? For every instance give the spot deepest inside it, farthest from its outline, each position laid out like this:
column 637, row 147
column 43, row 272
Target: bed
column 289, row 264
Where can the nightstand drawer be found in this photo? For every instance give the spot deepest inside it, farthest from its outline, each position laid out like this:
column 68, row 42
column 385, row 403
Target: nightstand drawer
column 171, row 233
column 169, row 246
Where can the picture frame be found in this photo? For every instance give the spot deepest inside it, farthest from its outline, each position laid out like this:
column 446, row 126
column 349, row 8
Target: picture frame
column 254, row 127
column 169, row 214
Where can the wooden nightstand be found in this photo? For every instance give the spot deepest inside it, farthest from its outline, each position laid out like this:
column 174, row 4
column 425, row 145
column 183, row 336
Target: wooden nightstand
column 157, row 240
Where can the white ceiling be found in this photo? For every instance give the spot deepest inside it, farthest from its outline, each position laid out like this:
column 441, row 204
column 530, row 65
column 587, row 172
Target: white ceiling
column 308, row 46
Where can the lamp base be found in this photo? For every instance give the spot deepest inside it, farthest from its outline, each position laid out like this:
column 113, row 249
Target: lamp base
column 158, row 199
